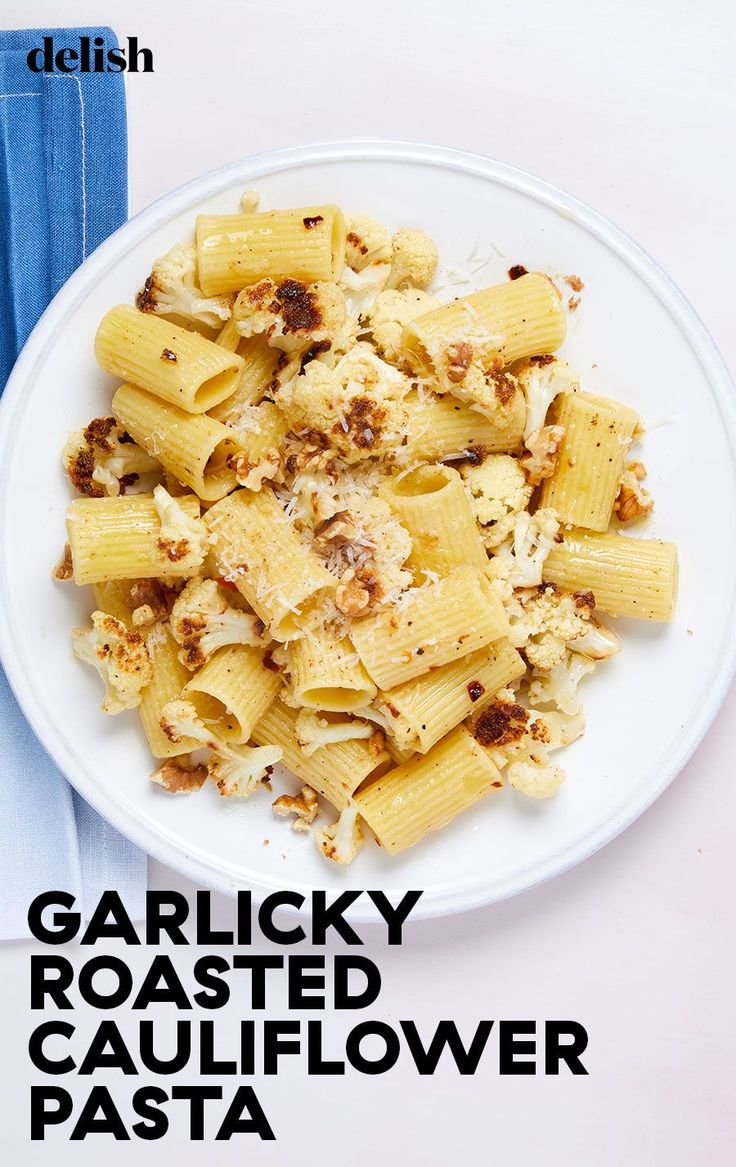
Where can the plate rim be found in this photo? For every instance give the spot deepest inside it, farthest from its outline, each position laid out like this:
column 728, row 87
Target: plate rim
column 155, row 843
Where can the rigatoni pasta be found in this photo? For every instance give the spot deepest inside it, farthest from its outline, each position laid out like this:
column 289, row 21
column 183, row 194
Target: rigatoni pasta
column 582, row 489
column 628, row 577
column 236, row 250
column 194, row 448
column 176, row 365
column 360, row 532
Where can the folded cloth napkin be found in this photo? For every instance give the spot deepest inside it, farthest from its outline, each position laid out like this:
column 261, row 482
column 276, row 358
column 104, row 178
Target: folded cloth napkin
column 63, row 189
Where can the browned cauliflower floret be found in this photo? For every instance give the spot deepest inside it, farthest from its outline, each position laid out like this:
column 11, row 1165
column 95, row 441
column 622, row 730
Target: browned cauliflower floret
column 103, row 460
column 414, row 259
column 182, row 539
column 520, row 562
column 390, row 314
column 120, row 657
column 367, row 241
column 489, row 389
column 237, row 772
column 202, row 621
column 545, row 622
column 304, row 806
column 541, row 378
column 559, row 686
column 293, row 316
column 498, row 493
column 355, row 410
column 341, row 840
column 172, row 289
column 519, row 741
column 542, row 449
column 314, row 731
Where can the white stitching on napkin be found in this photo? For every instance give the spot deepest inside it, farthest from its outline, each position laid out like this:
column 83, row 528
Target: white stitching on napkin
column 83, row 133
column 31, row 94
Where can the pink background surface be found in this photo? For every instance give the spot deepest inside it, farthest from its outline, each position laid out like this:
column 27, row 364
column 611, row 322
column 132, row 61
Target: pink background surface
column 628, row 108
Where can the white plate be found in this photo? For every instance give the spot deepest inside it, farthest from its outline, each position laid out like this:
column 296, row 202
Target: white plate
column 634, row 338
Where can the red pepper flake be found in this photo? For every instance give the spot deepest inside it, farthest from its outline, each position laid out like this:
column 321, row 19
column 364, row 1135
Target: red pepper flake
column 226, row 583
column 517, row 271
column 475, row 690
column 167, row 355
column 312, row 221
column 497, row 784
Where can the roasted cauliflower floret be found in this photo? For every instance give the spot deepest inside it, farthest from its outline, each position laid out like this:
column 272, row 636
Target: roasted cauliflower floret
column 558, row 686
column 103, row 460
column 390, row 314
column 202, row 621
column 172, row 290
column 341, row 840
column 367, row 241
column 498, row 493
column 519, row 563
column 182, row 539
column 236, row 771
column 414, row 259
column 488, row 389
column 361, row 289
column 541, row 378
column 293, row 316
column 541, row 457
column 519, row 741
column 633, row 499
column 304, row 806
column 597, row 642
column 120, row 657
column 546, row 621
column 355, row 410
column 313, row 731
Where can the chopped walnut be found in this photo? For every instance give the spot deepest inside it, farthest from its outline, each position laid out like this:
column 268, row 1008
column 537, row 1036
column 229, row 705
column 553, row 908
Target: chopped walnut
column 543, row 447
column 337, row 531
column 574, row 282
column 304, row 806
column 252, row 475
column 633, row 499
column 352, row 597
column 64, row 568
column 178, row 776
column 153, row 594
column 459, row 357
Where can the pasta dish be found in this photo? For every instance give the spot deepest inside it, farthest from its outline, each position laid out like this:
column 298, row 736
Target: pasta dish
column 335, row 520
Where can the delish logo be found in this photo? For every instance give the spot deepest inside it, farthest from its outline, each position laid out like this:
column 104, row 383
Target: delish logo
column 91, row 56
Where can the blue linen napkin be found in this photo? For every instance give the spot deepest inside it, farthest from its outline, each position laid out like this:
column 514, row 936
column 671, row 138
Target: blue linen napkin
column 63, row 190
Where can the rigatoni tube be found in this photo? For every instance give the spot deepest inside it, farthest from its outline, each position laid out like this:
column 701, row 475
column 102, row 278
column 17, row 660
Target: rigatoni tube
column 433, row 506
column 585, row 482
column 257, row 547
column 442, row 427
column 194, row 448
column 326, row 673
column 433, row 625
column 335, row 771
column 176, row 365
column 628, row 577
column 426, row 793
column 238, row 688
column 234, row 251
column 518, row 319
column 120, row 538
column 422, row 711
